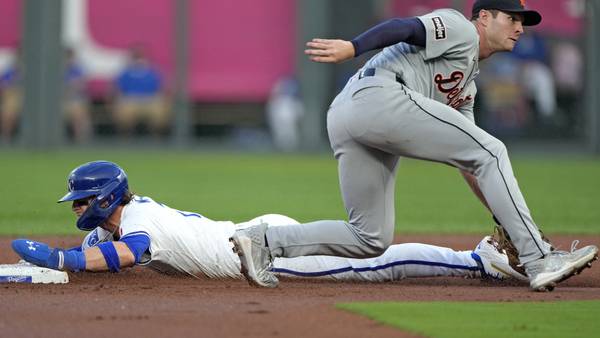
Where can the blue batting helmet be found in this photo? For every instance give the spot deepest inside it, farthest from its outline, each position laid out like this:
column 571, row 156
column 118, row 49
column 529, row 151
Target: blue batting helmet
column 106, row 182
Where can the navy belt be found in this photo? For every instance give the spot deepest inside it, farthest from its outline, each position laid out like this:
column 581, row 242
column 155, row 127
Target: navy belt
column 372, row 71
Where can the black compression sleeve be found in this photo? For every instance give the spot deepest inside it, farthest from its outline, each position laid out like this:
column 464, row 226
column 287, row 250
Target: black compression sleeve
column 410, row 30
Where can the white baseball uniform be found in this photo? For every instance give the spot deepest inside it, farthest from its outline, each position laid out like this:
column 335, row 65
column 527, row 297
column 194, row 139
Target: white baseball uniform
column 187, row 242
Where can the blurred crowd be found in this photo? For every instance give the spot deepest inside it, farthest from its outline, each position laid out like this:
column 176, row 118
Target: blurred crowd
column 136, row 97
column 532, row 92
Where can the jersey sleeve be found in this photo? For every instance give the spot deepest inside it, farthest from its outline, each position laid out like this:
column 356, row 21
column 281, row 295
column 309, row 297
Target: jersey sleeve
column 133, row 228
column 134, row 224
column 448, row 32
column 138, row 244
column 393, row 31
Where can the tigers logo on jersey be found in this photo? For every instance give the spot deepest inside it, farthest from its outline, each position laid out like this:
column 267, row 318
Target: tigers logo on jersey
column 440, row 28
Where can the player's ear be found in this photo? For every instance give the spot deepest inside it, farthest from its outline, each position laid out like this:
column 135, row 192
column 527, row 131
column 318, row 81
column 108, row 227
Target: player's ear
column 484, row 17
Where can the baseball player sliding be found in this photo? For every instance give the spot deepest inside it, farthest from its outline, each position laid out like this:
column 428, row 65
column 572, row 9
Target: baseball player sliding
column 126, row 229
column 414, row 99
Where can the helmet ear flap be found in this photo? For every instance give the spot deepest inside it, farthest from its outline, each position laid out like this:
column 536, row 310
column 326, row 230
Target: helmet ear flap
column 107, row 196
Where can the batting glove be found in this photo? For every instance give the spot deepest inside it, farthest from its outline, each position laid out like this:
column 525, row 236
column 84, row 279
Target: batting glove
column 42, row 255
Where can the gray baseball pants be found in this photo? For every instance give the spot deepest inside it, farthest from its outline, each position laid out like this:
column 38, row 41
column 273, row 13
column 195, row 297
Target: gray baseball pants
column 371, row 123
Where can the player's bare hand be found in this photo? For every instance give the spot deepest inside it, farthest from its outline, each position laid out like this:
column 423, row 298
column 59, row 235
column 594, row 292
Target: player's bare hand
column 329, row 51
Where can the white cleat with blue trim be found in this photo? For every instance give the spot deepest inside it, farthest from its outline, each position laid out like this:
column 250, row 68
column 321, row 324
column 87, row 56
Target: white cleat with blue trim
column 493, row 263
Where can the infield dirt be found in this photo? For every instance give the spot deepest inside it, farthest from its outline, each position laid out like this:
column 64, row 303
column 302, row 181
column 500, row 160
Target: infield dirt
column 139, row 302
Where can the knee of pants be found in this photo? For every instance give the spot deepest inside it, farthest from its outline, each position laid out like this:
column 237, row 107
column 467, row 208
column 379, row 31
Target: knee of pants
column 376, row 246
column 494, row 150
column 498, row 148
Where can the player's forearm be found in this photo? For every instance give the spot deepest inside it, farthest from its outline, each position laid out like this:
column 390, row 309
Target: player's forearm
column 106, row 256
column 410, row 30
column 472, row 182
column 95, row 260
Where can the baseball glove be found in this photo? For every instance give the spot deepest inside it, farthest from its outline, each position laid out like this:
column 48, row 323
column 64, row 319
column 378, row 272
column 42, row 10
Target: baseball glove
column 505, row 243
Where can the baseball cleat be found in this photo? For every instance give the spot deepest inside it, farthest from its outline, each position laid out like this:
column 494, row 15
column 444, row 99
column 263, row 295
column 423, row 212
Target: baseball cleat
column 493, row 263
column 548, row 288
column 558, row 266
column 255, row 258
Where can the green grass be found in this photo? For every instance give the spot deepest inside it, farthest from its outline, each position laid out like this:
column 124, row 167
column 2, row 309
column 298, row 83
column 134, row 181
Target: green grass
column 562, row 193
column 473, row 319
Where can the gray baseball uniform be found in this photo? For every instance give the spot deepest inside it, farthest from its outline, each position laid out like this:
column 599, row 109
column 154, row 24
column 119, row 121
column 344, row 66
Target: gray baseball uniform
column 414, row 102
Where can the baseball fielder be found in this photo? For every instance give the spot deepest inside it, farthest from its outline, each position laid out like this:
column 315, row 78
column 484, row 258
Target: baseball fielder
column 414, row 99
column 127, row 229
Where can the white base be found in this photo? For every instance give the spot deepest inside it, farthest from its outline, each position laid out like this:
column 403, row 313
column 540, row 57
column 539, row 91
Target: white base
column 24, row 272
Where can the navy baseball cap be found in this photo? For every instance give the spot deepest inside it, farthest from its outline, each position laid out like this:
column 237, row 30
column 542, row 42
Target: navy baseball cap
column 530, row 17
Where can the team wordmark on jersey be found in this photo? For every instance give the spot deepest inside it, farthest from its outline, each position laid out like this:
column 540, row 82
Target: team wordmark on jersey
column 459, row 101
column 450, row 84
column 440, row 28
column 450, row 87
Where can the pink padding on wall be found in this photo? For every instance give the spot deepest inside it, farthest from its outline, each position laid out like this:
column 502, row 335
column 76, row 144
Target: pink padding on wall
column 240, row 48
column 407, row 8
column 119, row 24
column 10, row 24
column 558, row 15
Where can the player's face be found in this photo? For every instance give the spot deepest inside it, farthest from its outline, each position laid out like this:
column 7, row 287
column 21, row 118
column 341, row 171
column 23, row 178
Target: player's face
column 80, row 206
column 505, row 29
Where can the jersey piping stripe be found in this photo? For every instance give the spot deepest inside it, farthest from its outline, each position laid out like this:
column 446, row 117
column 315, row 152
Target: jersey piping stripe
column 189, row 214
column 373, row 268
column 489, row 152
column 136, row 233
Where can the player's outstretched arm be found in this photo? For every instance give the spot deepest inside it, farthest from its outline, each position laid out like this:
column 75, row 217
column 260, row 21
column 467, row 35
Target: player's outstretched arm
column 105, row 256
column 409, row 30
column 114, row 255
column 98, row 259
column 329, row 50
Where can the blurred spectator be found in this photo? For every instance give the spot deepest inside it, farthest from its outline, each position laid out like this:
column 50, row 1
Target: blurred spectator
column 76, row 103
column 503, row 107
column 11, row 97
column 284, row 110
column 567, row 66
column 535, row 75
column 140, row 96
